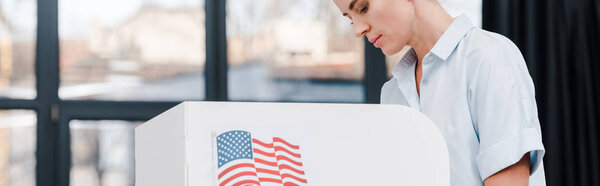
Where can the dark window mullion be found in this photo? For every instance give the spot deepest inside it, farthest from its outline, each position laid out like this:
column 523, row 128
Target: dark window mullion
column 215, row 70
column 113, row 110
column 47, row 78
column 375, row 72
column 18, row 104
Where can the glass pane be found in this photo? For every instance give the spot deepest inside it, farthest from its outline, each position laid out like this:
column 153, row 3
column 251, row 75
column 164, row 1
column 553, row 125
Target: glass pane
column 132, row 50
column 18, row 20
column 17, row 147
column 292, row 50
column 102, row 153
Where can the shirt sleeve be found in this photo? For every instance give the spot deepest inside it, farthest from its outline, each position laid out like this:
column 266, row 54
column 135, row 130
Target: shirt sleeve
column 502, row 104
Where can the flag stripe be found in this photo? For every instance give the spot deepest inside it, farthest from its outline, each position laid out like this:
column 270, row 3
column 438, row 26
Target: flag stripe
column 264, row 158
column 236, row 176
column 289, row 184
column 235, row 162
column 235, row 167
column 282, row 153
column 240, row 170
column 269, row 180
column 266, row 145
column 271, row 176
column 239, row 179
column 245, row 182
column 258, row 160
column 276, row 139
column 292, row 173
column 279, row 148
column 269, row 154
column 284, row 176
column 280, row 157
column 267, row 171
column 270, row 170
column 275, row 167
column 283, row 166
column 293, row 182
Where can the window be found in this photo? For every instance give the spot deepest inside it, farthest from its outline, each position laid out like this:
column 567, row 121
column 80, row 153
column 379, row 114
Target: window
column 17, row 147
column 102, row 153
column 131, row 50
column 17, row 48
column 292, row 50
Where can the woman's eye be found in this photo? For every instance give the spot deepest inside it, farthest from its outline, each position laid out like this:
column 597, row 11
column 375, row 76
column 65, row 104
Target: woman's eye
column 363, row 9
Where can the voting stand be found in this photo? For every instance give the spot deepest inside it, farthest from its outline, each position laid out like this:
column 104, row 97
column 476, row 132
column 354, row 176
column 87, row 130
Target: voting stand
column 229, row 143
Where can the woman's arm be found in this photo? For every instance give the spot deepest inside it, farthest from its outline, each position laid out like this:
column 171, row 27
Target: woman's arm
column 516, row 174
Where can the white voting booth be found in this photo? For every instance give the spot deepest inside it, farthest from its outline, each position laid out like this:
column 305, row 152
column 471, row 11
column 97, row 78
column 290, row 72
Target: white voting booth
column 229, row 143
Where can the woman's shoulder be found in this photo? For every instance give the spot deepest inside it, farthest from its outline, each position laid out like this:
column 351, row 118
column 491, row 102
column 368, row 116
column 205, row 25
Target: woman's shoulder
column 481, row 46
column 493, row 55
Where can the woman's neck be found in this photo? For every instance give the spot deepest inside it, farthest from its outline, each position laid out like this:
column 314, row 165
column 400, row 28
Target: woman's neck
column 431, row 21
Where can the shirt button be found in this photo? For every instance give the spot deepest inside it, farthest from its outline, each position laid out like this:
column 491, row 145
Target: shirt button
column 425, row 82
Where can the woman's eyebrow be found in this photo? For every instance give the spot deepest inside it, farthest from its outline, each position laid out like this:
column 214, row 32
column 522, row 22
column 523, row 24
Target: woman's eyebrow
column 352, row 4
column 346, row 14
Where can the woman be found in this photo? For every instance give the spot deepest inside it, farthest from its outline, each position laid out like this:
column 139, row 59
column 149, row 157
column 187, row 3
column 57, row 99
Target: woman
column 472, row 83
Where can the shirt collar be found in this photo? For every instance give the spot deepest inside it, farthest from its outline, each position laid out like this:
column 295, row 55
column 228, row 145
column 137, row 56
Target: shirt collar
column 442, row 48
column 405, row 63
column 452, row 36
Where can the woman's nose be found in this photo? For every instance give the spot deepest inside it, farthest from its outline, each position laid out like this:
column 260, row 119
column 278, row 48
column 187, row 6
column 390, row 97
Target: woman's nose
column 360, row 29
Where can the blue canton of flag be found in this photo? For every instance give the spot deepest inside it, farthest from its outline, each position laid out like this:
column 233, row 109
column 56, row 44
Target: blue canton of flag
column 234, row 145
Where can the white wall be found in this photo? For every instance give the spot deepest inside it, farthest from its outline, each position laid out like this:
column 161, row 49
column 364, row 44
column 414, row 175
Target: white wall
column 472, row 8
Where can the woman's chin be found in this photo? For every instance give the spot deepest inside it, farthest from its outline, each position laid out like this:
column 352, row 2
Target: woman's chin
column 389, row 51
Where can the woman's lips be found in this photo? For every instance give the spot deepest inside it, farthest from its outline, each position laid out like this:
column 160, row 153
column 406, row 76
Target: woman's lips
column 377, row 42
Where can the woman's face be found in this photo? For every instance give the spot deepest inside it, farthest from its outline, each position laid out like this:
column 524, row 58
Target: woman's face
column 386, row 23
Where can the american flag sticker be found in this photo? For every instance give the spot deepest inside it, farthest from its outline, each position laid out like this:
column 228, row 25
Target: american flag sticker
column 243, row 160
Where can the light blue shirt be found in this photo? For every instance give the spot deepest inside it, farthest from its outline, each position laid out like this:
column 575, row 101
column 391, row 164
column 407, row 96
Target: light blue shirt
column 477, row 90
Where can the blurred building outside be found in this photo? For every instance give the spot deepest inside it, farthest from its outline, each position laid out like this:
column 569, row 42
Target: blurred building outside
column 152, row 45
column 159, row 43
column 299, row 50
column 16, row 61
column 17, row 148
